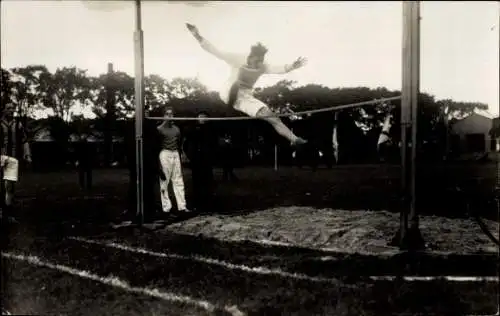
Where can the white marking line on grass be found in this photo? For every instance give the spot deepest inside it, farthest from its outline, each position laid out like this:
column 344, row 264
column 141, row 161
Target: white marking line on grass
column 388, row 252
column 5, row 312
column 116, row 282
column 449, row 278
column 267, row 242
column 256, row 269
column 267, row 271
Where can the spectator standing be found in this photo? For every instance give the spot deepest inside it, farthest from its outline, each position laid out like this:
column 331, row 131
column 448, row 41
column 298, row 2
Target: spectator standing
column 200, row 146
column 84, row 160
column 228, row 157
column 170, row 160
column 13, row 147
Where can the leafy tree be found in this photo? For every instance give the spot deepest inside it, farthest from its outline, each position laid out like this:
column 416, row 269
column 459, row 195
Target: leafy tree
column 34, row 87
column 458, row 110
column 277, row 96
column 189, row 88
column 25, row 89
column 157, row 92
column 65, row 89
column 123, row 90
column 6, row 85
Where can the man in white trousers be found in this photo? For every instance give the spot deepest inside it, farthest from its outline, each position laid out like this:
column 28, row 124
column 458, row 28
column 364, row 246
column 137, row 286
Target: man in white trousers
column 246, row 69
column 170, row 161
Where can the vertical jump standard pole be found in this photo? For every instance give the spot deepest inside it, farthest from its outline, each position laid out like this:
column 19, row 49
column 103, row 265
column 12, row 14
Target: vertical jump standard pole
column 409, row 103
column 139, row 110
column 416, row 239
column 275, row 157
column 496, row 133
column 398, row 240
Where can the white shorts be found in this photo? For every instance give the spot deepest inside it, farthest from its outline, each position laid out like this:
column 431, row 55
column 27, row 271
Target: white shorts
column 247, row 103
column 10, row 168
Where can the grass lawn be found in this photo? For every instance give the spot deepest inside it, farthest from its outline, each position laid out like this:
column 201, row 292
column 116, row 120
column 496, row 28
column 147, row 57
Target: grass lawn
column 45, row 270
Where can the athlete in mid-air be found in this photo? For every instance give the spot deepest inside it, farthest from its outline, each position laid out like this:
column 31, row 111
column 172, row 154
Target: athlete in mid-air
column 245, row 71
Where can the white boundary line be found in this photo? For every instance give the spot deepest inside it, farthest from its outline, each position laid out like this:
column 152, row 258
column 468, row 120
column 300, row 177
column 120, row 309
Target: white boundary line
column 391, row 251
column 449, row 278
column 5, row 312
column 387, row 253
column 118, row 283
column 256, row 270
column 267, row 271
column 267, row 242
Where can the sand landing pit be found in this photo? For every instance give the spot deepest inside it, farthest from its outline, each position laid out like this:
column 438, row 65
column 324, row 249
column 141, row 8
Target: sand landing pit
column 364, row 232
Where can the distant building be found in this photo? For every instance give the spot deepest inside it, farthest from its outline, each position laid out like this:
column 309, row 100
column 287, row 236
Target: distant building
column 474, row 135
column 43, row 135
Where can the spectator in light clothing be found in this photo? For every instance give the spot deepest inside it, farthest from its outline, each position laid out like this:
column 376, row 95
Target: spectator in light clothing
column 14, row 145
column 170, row 160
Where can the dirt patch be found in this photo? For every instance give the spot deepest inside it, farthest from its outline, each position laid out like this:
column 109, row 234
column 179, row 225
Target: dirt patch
column 366, row 232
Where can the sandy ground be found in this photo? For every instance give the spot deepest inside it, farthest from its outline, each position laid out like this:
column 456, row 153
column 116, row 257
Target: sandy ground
column 364, row 232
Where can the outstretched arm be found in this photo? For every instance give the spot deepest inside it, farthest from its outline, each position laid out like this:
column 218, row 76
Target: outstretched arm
column 283, row 69
column 229, row 58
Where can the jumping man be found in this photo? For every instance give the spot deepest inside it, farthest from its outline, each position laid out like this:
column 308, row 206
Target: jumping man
column 246, row 70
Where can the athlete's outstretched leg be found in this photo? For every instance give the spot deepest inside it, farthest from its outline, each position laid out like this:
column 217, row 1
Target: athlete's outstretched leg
column 245, row 102
column 10, row 168
column 268, row 115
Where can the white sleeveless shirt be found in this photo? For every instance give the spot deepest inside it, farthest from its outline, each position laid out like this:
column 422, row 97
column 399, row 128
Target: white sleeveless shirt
column 241, row 74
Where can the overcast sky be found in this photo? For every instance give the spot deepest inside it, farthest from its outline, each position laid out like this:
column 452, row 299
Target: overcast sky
column 347, row 43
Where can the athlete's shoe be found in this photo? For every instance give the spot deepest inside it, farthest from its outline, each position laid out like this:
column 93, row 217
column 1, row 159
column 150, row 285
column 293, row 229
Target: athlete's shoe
column 298, row 142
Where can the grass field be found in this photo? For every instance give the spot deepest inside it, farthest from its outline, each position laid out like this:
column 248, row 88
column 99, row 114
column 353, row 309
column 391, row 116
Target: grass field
column 64, row 260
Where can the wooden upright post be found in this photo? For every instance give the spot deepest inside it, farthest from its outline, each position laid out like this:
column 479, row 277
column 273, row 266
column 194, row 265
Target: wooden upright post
column 139, row 109
column 409, row 237
column 415, row 237
column 110, row 116
column 497, row 128
column 275, row 157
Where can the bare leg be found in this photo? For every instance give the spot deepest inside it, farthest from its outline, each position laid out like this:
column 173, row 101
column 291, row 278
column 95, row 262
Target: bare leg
column 9, row 199
column 279, row 126
column 10, row 173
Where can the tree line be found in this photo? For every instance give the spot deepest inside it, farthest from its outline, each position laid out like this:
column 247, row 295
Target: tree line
column 110, row 97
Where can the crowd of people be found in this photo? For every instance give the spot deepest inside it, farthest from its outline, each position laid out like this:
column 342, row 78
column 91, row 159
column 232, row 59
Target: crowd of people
column 167, row 145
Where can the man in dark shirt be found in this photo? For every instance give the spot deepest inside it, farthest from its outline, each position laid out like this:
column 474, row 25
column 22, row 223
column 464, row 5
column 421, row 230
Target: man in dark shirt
column 14, row 146
column 199, row 146
column 228, row 157
column 170, row 161
column 84, row 156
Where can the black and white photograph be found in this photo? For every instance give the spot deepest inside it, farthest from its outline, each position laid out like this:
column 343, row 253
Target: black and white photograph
column 249, row 158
